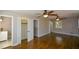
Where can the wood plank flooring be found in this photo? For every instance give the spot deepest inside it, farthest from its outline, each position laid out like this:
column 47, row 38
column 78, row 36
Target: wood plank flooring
column 49, row 42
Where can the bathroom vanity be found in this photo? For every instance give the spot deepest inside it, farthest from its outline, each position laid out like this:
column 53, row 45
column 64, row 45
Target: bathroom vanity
column 3, row 35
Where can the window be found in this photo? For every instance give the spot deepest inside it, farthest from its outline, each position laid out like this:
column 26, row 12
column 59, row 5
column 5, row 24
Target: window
column 58, row 24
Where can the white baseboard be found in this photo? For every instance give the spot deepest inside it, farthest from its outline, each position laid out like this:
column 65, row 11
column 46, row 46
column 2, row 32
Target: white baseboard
column 16, row 44
column 71, row 34
column 43, row 34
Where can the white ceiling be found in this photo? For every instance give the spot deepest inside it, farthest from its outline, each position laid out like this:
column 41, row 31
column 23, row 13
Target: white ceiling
column 27, row 12
column 61, row 13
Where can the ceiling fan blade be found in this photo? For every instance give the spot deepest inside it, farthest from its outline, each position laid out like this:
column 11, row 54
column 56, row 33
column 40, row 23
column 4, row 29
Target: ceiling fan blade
column 53, row 15
column 40, row 16
column 50, row 12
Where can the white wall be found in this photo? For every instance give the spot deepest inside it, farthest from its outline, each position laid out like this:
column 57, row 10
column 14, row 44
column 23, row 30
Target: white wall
column 70, row 25
column 30, row 29
column 16, row 31
column 78, row 23
column 43, row 28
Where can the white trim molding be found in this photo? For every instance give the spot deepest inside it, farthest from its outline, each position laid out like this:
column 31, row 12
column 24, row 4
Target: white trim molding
column 71, row 34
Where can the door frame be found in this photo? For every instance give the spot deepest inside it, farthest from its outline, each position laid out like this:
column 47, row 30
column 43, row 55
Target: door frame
column 37, row 27
column 11, row 26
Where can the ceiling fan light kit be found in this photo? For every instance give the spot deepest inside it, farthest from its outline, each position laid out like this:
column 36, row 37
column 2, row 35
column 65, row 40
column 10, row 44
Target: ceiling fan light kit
column 1, row 18
column 45, row 15
column 57, row 19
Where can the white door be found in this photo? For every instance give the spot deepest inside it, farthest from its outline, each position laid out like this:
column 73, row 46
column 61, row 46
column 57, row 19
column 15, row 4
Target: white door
column 30, row 31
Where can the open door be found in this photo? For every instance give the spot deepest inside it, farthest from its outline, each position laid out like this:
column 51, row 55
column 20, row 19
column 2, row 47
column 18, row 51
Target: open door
column 30, row 28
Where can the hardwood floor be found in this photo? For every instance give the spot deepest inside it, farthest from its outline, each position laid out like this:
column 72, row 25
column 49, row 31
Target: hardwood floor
column 50, row 42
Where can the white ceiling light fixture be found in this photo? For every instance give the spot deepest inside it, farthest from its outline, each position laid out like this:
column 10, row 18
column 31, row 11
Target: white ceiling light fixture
column 45, row 15
column 57, row 19
column 1, row 19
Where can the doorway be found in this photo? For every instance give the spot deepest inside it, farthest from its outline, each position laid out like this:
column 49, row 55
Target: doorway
column 50, row 26
column 23, row 32
column 35, row 28
column 6, row 32
column 24, row 29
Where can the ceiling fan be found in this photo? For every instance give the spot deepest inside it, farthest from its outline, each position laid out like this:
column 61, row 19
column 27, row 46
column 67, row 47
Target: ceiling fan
column 46, row 14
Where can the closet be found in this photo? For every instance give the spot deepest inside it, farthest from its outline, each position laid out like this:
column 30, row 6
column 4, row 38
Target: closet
column 23, row 28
